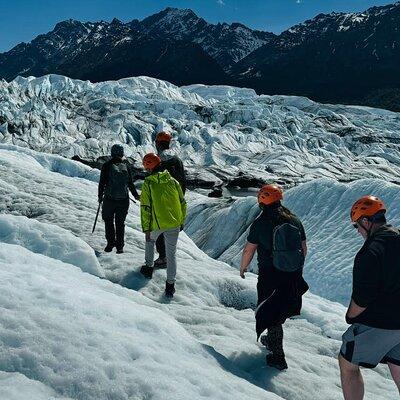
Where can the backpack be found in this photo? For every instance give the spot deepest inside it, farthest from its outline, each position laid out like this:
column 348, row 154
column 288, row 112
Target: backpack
column 118, row 178
column 287, row 251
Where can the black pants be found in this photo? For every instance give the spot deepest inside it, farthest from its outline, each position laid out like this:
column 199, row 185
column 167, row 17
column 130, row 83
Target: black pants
column 274, row 337
column 264, row 288
column 275, row 340
column 160, row 246
column 115, row 210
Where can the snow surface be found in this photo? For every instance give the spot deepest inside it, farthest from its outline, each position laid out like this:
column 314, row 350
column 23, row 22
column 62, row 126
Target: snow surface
column 15, row 386
column 220, row 131
column 50, row 240
column 88, row 338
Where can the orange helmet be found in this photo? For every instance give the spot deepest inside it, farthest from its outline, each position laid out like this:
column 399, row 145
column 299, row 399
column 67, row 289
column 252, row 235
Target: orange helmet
column 367, row 206
column 163, row 136
column 269, row 194
column 150, row 161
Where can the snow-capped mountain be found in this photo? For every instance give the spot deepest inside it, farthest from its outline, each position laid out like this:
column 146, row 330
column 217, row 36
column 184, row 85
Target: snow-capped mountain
column 102, row 51
column 174, row 44
column 226, row 43
column 350, row 58
column 223, row 134
column 66, row 334
column 338, row 57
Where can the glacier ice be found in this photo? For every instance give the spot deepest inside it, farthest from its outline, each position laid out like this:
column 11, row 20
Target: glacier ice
column 221, row 131
column 71, row 334
column 66, row 334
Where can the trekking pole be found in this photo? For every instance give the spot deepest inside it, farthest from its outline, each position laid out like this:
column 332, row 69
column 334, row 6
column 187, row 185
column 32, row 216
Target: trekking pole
column 134, row 201
column 97, row 216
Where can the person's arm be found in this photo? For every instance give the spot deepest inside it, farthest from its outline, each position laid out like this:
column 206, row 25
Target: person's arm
column 131, row 184
column 354, row 310
column 249, row 248
column 182, row 202
column 247, row 256
column 304, row 247
column 103, row 181
column 303, row 238
column 182, row 175
column 145, row 208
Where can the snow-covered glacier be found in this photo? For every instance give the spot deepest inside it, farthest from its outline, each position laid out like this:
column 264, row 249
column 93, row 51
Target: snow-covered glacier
column 77, row 323
column 67, row 334
column 221, row 132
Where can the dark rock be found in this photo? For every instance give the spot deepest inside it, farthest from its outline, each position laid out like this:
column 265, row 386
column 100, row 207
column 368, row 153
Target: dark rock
column 216, row 192
column 245, row 182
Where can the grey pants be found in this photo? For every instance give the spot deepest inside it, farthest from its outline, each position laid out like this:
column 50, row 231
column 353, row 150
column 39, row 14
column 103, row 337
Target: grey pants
column 171, row 240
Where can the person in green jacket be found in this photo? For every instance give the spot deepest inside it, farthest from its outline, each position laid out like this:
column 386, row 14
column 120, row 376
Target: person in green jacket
column 162, row 211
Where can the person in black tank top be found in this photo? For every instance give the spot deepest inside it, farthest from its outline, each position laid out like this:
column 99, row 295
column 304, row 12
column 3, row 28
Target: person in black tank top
column 279, row 289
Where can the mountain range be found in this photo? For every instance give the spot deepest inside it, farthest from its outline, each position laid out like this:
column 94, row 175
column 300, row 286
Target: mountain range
column 350, row 58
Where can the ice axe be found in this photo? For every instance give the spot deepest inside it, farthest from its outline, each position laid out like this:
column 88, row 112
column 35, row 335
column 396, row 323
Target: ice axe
column 97, row 216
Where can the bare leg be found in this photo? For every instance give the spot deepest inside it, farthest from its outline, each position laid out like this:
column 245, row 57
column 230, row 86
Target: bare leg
column 395, row 371
column 352, row 381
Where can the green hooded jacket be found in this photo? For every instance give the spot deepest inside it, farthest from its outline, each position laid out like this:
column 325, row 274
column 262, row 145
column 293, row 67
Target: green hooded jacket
column 162, row 205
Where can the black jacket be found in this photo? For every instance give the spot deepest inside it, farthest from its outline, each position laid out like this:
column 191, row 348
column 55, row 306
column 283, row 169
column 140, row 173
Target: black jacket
column 174, row 165
column 376, row 280
column 105, row 176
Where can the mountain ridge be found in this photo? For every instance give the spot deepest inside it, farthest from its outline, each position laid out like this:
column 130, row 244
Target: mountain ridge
column 349, row 58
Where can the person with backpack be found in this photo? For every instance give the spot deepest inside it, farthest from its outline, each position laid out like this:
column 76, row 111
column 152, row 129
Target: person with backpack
column 113, row 191
column 279, row 238
column 173, row 164
column 162, row 211
column 374, row 334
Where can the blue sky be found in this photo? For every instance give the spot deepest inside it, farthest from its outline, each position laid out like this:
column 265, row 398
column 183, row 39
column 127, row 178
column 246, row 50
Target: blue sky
column 23, row 20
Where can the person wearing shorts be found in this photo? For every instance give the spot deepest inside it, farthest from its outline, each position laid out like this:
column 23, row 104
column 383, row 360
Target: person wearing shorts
column 374, row 334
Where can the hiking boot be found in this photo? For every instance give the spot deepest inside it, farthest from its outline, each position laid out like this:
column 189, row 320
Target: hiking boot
column 108, row 248
column 160, row 263
column 169, row 289
column 276, row 361
column 264, row 342
column 146, row 271
column 120, row 251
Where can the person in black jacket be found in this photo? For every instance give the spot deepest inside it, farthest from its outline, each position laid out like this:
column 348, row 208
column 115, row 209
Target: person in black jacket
column 114, row 186
column 279, row 287
column 374, row 334
column 174, row 165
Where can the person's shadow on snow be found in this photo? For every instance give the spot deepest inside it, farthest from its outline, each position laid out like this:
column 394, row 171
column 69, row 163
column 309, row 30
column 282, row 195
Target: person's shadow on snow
column 134, row 281
column 250, row 367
